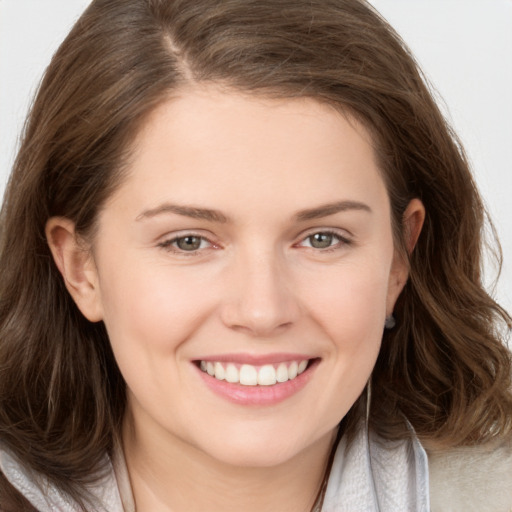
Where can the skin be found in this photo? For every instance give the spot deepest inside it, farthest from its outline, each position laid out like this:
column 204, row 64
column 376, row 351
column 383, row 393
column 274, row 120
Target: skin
column 256, row 285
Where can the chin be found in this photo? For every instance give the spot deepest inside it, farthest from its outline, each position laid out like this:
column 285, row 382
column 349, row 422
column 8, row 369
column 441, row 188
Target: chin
column 261, row 447
column 255, row 456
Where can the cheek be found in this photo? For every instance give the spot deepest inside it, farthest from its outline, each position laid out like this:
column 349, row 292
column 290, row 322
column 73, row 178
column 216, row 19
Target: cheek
column 351, row 312
column 345, row 311
column 351, row 304
column 148, row 308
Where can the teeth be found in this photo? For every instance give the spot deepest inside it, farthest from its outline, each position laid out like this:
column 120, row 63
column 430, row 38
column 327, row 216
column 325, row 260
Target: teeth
column 249, row 375
column 232, row 374
column 292, row 370
column 282, row 373
column 219, row 371
column 267, row 375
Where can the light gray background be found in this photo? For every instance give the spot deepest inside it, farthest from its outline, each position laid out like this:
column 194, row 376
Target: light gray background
column 464, row 46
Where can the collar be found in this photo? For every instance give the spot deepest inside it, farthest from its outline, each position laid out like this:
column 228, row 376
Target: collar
column 372, row 474
column 103, row 495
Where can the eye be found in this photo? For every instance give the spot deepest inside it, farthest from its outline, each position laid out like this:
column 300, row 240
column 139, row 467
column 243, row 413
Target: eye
column 324, row 240
column 321, row 240
column 187, row 243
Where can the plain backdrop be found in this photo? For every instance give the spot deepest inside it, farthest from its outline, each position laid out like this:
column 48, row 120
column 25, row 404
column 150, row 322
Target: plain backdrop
column 463, row 46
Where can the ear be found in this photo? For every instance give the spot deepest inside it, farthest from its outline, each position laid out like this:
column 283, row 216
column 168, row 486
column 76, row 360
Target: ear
column 76, row 264
column 412, row 223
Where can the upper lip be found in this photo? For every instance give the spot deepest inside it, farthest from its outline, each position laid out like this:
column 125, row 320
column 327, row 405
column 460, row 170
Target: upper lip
column 256, row 360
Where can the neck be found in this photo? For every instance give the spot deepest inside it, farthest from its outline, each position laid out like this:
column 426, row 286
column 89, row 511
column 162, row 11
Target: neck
column 176, row 476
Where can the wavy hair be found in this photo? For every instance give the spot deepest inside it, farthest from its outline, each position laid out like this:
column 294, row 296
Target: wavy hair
column 445, row 367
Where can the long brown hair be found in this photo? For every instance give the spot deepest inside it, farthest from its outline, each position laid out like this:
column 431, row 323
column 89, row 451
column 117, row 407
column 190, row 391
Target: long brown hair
column 444, row 367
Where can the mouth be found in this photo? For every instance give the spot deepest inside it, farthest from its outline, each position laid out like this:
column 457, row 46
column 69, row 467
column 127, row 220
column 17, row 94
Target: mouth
column 252, row 375
column 256, row 384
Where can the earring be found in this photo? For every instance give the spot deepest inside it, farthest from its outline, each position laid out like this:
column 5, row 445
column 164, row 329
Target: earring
column 368, row 399
column 390, row 322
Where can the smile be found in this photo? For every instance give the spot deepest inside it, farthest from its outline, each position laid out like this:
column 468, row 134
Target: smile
column 250, row 375
column 266, row 382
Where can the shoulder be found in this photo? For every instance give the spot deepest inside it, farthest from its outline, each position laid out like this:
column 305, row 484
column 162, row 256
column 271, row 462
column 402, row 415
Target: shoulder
column 476, row 478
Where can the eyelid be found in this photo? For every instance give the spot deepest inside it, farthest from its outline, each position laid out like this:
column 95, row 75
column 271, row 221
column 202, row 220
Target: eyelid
column 167, row 243
column 342, row 235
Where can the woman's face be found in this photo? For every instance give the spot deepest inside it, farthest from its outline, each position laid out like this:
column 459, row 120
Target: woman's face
column 251, row 237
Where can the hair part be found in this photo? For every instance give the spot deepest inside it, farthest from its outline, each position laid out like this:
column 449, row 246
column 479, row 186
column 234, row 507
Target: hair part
column 445, row 367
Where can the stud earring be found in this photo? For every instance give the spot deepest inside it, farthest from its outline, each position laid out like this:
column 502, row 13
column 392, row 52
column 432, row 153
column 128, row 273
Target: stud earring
column 390, row 322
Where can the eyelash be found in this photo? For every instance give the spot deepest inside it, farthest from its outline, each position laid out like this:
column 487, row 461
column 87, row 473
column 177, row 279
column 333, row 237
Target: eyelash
column 169, row 245
column 342, row 240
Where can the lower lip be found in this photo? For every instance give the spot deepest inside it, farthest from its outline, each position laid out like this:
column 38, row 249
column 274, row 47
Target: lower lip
column 258, row 395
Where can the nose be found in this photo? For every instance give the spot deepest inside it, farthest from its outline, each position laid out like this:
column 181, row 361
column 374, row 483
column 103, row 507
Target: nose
column 262, row 301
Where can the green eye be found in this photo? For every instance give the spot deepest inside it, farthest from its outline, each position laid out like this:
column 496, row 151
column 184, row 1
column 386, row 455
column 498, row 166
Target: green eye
column 322, row 240
column 189, row 243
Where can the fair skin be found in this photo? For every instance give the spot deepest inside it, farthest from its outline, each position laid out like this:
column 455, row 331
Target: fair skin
column 249, row 231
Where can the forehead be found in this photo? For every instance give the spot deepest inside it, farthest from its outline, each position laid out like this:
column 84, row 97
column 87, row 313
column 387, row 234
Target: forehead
column 205, row 110
column 207, row 140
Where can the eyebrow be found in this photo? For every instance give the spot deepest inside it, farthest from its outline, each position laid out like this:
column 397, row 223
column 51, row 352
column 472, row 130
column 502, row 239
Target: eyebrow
column 331, row 209
column 186, row 211
column 217, row 216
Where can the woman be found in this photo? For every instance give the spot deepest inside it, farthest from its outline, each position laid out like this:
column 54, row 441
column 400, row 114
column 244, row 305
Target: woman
column 241, row 271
